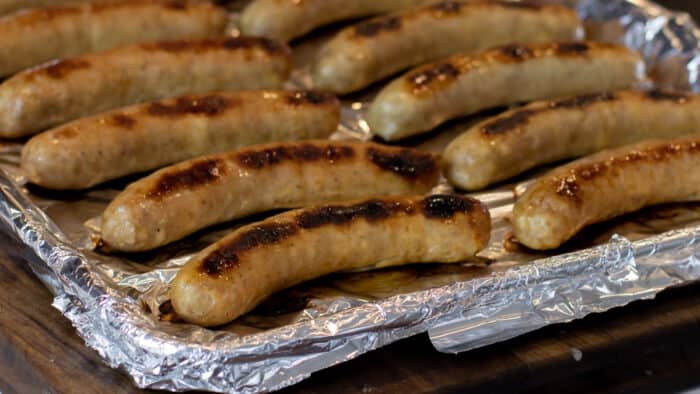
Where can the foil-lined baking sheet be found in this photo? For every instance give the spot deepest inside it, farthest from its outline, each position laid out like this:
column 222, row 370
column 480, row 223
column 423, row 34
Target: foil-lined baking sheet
column 119, row 303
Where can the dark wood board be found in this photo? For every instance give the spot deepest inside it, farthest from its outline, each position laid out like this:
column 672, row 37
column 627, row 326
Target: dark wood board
column 646, row 347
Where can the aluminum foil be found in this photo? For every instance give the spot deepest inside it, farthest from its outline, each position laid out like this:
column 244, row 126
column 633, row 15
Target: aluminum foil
column 118, row 304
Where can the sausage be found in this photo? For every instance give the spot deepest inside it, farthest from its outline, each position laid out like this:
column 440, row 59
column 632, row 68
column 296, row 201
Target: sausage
column 548, row 131
column 287, row 19
column 606, row 185
column 9, row 6
column 38, row 35
column 181, row 199
column 65, row 90
column 377, row 48
column 92, row 150
column 232, row 276
column 465, row 84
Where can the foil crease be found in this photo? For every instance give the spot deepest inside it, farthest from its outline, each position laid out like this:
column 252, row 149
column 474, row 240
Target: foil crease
column 112, row 308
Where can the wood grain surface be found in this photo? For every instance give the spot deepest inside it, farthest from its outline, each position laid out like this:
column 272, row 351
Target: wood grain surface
column 646, row 347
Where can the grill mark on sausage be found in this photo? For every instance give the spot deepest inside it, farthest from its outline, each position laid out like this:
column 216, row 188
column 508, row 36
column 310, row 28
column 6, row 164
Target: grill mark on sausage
column 408, row 163
column 227, row 256
column 441, row 72
column 446, row 206
column 569, row 185
column 520, row 4
column 66, row 133
column 514, row 120
column 209, row 105
column 258, row 159
column 582, row 100
column 171, row 4
column 176, row 4
column 447, row 7
column 660, row 95
column 372, row 210
column 41, row 15
column 310, row 97
column 122, row 120
column 447, row 71
column 504, row 124
column 571, row 48
column 375, row 26
column 59, row 69
column 517, row 52
column 200, row 173
column 271, row 47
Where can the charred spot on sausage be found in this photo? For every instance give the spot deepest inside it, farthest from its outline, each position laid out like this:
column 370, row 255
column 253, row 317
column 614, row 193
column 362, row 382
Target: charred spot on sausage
column 371, row 210
column 440, row 72
column 659, row 95
column 60, row 68
column 574, row 48
column 176, row 4
column 200, row 173
column 257, row 159
column 447, row 7
column 583, row 100
column 568, row 187
column 507, row 123
column 226, row 257
column 309, row 97
column 519, row 4
column 445, row 206
column 123, row 120
column 517, row 52
column 407, row 163
column 375, row 26
column 512, row 121
column 204, row 105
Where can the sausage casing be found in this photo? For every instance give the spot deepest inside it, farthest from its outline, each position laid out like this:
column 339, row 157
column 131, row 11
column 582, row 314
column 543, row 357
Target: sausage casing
column 181, row 199
column 380, row 47
column 68, row 89
column 38, row 35
column 548, row 131
column 465, row 84
column 605, row 185
column 232, row 276
column 287, row 19
column 142, row 137
column 9, row 6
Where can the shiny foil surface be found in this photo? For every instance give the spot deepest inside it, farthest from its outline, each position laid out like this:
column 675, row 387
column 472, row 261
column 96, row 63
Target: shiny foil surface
column 119, row 304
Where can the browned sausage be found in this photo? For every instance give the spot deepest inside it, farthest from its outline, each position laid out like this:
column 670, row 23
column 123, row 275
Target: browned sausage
column 183, row 198
column 605, row 185
column 142, row 137
column 232, row 276
column 68, row 89
column 38, row 35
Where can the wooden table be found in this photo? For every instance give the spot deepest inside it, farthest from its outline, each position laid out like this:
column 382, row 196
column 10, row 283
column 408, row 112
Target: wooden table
column 646, row 347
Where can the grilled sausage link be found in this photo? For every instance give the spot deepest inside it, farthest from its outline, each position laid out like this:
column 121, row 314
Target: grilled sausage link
column 465, row 84
column 92, row 150
column 65, row 90
column 606, row 185
column 183, row 198
column 288, row 19
column 380, row 47
column 38, row 35
column 232, row 276
column 9, row 6
column 548, row 131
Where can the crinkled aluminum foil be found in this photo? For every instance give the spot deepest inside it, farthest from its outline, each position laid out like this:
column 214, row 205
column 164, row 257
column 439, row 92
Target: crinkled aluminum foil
column 115, row 302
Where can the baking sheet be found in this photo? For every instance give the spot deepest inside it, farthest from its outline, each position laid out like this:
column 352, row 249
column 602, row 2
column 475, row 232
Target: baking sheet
column 119, row 305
